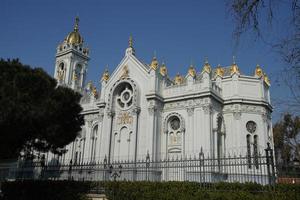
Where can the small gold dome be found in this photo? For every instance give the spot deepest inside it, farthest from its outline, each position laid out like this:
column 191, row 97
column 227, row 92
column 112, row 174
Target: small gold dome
column 105, row 76
column 178, row 79
column 163, row 70
column 154, row 63
column 220, row 71
column 234, row 69
column 74, row 37
column 192, row 71
column 206, row 67
column 267, row 80
column 258, row 71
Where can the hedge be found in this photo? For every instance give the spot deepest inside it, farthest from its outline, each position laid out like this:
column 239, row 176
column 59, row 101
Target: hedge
column 71, row 190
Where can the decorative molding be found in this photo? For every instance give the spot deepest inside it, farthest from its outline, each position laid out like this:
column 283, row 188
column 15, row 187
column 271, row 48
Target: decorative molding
column 207, row 109
column 190, row 111
column 237, row 115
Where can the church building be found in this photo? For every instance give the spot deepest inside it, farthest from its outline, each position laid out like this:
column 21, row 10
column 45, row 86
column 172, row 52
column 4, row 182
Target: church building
column 139, row 110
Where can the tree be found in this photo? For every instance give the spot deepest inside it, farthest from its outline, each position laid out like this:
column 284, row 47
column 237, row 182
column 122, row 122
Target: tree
column 287, row 139
column 252, row 15
column 35, row 114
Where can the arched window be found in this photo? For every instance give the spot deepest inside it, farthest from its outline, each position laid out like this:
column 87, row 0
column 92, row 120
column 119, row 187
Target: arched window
column 249, row 150
column 252, row 144
column 61, row 72
column 175, row 136
column 94, row 143
column 255, row 150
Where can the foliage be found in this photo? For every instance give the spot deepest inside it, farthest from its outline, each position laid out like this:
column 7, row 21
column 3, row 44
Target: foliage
column 46, row 190
column 147, row 190
column 251, row 16
column 287, row 138
column 35, row 114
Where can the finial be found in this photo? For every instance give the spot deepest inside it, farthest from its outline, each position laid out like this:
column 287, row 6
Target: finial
column 154, row 54
column 258, row 71
column 130, row 41
column 233, row 60
column 76, row 23
column 205, row 60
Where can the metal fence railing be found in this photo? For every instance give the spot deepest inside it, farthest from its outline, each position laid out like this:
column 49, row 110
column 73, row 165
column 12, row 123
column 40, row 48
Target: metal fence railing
column 200, row 168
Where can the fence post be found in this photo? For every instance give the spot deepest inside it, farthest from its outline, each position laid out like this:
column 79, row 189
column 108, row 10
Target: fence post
column 270, row 164
column 147, row 166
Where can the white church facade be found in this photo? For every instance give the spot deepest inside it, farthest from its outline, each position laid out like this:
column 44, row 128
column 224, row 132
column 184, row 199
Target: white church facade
column 140, row 111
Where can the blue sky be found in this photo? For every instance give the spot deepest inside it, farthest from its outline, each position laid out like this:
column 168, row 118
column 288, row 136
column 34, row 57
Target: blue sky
column 180, row 32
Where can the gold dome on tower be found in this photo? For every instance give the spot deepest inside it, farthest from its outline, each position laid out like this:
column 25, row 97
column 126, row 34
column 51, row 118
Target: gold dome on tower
column 74, row 37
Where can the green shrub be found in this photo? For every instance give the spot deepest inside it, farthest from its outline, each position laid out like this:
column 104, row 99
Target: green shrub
column 123, row 190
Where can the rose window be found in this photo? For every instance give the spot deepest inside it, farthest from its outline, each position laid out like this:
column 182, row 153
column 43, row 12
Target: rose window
column 251, row 126
column 125, row 97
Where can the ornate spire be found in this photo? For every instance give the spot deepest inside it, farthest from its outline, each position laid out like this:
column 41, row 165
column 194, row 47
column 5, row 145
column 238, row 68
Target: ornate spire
column 192, row 71
column 267, row 80
column 154, row 63
column 163, row 69
column 219, row 71
column 206, row 67
column 130, row 42
column 234, row 68
column 76, row 24
column 105, row 75
column 258, row 71
column 178, row 79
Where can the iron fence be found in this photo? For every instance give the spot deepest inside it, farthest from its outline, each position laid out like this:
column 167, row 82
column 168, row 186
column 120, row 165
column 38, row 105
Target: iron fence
column 200, row 168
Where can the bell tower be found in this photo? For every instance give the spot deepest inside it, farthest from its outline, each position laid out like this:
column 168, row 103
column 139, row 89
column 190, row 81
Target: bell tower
column 72, row 58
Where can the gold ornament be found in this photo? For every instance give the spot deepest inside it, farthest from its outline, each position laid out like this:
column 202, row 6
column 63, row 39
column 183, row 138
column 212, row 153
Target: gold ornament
column 258, row 71
column 124, row 118
column 220, row 71
column 95, row 93
column 234, row 69
column 163, row 70
column 105, row 76
column 178, row 79
column 206, row 67
column 154, row 63
column 192, row 71
column 125, row 72
column 267, row 80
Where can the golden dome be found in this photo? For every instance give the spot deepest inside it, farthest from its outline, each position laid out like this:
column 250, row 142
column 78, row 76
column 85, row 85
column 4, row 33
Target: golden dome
column 105, row 76
column 267, row 80
column 192, row 71
column 258, row 71
column 163, row 70
column 178, row 79
column 220, row 71
column 206, row 67
column 234, row 69
column 154, row 63
column 74, row 37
